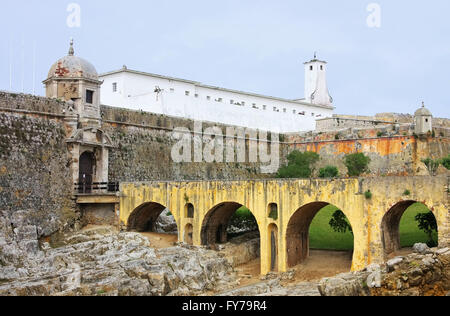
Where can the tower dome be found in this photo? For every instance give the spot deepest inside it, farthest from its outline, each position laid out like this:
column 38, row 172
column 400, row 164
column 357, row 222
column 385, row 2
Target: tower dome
column 75, row 80
column 73, row 67
column 423, row 111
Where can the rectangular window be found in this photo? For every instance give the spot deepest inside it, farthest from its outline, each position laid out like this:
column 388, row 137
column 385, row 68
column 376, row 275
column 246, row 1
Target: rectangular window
column 89, row 96
column 243, row 103
column 264, row 107
column 284, row 110
column 208, row 98
column 231, row 101
column 196, row 95
column 172, row 90
column 187, row 93
column 114, row 87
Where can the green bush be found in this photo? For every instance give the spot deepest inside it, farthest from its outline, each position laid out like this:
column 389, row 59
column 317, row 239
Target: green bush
column 300, row 165
column 329, row 172
column 357, row 164
column 407, row 193
column 446, row 162
column 368, row 195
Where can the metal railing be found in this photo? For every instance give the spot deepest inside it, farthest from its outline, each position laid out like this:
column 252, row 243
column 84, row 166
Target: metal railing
column 97, row 187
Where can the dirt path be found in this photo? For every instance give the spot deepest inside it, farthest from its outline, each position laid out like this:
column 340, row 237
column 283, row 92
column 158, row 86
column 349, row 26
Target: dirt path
column 321, row 264
column 160, row 241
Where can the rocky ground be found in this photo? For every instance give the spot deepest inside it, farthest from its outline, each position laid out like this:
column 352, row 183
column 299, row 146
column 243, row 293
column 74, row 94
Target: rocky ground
column 426, row 272
column 101, row 261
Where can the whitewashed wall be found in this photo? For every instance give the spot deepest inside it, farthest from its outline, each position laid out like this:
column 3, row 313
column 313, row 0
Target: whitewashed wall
column 190, row 100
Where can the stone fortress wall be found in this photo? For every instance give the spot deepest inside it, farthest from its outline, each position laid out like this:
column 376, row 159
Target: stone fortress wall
column 35, row 165
column 389, row 139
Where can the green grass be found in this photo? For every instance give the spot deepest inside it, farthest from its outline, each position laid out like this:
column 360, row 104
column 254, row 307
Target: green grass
column 322, row 235
column 409, row 232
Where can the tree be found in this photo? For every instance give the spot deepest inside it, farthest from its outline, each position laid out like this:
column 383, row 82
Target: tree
column 427, row 223
column 357, row 164
column 329, row 172
column 243, row 221
column 339, row 223
column 300, row 165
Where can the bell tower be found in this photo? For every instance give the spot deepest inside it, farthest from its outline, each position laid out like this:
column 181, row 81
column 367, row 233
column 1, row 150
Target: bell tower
column 316, row 88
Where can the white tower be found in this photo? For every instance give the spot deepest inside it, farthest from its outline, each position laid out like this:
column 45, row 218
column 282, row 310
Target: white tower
column 316, row 89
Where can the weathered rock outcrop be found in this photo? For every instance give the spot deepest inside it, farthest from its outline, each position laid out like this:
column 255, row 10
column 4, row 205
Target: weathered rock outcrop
column 242, row 249
column 100, row 262
column 166, row 223
column 426, row 274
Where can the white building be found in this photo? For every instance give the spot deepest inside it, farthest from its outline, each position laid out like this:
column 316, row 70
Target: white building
column 189, row 99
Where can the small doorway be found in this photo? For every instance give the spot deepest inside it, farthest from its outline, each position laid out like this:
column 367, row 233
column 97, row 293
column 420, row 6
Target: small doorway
column 86, row 176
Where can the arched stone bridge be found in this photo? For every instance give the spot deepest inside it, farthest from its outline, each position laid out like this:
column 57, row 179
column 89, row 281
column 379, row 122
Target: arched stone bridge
column 202, row 210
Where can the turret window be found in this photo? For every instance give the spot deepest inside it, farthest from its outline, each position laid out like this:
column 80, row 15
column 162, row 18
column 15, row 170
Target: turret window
column 114, row 87
column 89, row 96
column 311, row 68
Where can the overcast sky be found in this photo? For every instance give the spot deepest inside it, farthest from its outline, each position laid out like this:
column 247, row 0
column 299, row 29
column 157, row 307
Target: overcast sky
column 252, row 45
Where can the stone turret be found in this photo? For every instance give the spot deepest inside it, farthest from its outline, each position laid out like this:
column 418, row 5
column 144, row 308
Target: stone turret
column 75, row 80
column 423, row 120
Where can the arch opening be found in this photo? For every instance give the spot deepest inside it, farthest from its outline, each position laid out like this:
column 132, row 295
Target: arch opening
column 149, row 217
column 189, row 234
column 400, row 230
column 273, row 242
column 273, row 211
column 234, row 225
column 310, row 234
column 86, row 171
column 189, row 210
column 227, row 220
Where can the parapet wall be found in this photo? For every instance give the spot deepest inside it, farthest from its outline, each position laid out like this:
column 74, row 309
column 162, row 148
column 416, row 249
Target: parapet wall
column 144, row 145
